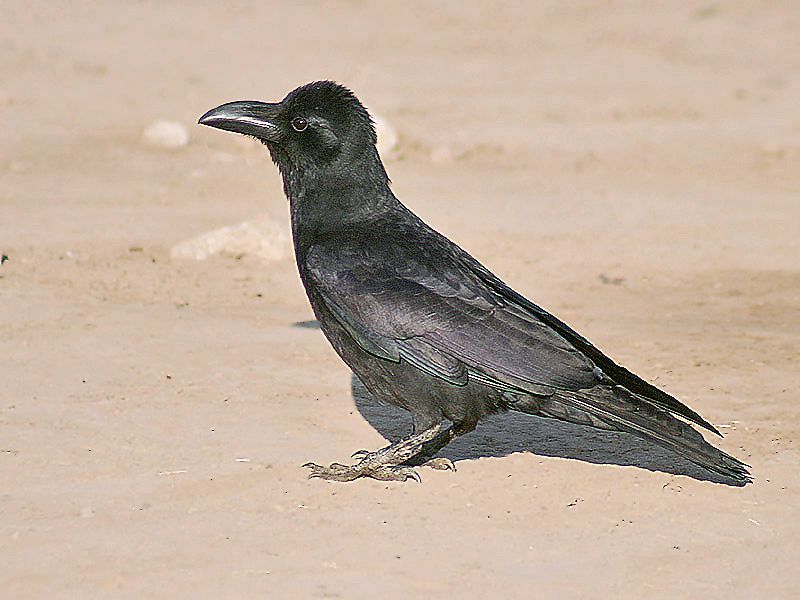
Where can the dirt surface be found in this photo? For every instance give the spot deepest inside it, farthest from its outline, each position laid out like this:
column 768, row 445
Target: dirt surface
column 633, row 167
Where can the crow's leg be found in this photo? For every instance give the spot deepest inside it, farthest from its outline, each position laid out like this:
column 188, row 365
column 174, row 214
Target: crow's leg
column 427, row 455
column 387, row 464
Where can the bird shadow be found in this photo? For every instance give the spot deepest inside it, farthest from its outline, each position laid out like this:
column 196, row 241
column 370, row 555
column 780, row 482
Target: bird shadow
column 506, row 433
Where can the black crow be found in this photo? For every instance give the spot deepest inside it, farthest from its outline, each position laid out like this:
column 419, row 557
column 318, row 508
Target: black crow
column 423, row 324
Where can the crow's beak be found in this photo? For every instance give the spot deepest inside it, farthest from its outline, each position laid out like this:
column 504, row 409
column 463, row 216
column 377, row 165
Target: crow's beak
column 247, row 117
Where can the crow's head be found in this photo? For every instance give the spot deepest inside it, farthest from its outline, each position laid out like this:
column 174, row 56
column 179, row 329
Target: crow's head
column 317, row 124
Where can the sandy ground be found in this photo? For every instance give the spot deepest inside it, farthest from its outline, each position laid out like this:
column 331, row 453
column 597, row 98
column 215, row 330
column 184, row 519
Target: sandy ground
column 634, row 169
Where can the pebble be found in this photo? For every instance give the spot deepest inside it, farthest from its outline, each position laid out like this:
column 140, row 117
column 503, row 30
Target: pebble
column 262, row 237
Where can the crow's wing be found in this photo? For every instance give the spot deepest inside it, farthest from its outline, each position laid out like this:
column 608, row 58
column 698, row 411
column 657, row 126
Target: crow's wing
column 617, row 373
column 421, row 304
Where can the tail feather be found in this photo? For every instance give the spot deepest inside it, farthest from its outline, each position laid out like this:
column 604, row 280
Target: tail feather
column 618, row 409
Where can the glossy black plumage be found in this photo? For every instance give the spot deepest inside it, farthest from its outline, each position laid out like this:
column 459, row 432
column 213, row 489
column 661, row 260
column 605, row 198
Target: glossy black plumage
column 422, row 323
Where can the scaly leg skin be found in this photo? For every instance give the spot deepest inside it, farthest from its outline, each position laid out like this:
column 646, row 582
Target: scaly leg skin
column 427, row 456
column 386, row 464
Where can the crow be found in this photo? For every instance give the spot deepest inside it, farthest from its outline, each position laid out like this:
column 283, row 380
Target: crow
column 420, row 322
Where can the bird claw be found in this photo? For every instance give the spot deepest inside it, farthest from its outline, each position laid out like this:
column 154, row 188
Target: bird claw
column 339, row 472
column 412, row 474
column 440, row 464
column 360, row 454
column 394, row 474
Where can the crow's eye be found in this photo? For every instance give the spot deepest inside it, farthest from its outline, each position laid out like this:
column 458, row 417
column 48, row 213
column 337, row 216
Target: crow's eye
column 299, row 124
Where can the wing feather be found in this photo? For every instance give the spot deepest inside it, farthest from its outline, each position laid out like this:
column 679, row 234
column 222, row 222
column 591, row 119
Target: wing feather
column 443, row 326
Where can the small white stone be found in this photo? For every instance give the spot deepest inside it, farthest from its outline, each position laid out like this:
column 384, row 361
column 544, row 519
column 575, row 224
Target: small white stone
column 262, row 237
column 387, row 137
column 166, row 134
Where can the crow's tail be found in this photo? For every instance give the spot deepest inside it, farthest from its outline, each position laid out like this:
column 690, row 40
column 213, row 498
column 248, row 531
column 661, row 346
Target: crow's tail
column 616, row 408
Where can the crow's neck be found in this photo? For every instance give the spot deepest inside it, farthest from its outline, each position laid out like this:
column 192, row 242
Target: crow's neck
column 336, row 197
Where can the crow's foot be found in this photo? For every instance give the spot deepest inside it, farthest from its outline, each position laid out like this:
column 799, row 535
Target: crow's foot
column 339, row 472
column 386, row 464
